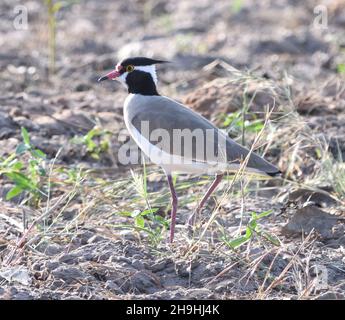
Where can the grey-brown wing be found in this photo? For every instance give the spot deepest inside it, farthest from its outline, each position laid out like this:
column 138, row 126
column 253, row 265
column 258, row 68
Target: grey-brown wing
column 180, row 131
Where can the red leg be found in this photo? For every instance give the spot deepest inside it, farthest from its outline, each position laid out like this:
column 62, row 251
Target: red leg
column 173, row 207
column 210, row 190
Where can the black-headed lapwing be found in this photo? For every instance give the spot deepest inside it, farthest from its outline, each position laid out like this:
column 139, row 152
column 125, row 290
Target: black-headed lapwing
column 175, row 137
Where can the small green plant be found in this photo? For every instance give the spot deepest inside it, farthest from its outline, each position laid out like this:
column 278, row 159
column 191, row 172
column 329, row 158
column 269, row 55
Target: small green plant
column 234, row 121
column 97, row 141
column 147, row 221
column 25, row 168
column 236, row 6
column 140, row 184
column 253, row 228
column 341, row 68
column 153, row 225
column 53, row 7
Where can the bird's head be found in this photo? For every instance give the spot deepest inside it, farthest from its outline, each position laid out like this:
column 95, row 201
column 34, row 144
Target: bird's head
column 138, row 74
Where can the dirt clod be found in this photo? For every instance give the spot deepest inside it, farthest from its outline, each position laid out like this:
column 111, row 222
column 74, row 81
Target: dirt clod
column 312, row 218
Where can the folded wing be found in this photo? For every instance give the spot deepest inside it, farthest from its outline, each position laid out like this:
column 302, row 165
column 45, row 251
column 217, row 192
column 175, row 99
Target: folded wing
column 178, row 130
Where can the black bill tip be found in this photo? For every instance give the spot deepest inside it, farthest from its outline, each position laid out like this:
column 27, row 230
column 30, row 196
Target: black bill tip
column 102, row 78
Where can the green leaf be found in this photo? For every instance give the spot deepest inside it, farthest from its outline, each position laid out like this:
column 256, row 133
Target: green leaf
column 8, row 160
column 255, row 126
column 90, row 145
column 42, row 171
column 16, row 190
column 92, row 133
column 237, row 242
column 33, row 163
column 139, row 222
column 21, row 148
column 161, row 221
column 94, row 155
column 21, row 180
column 252, row 224
column 249, row 233
column 263, row 214
column 25, row 136
column 124, row 213
column 250, row 229
column 17, row 166
column 236, row 6
column 341, row 68
column 318, row 153
column 231, row 118
column 104, row 145
column 148, row 211
column 37, row 153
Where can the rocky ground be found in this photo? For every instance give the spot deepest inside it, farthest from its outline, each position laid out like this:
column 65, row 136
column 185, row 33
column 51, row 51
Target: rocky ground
column 79, row 243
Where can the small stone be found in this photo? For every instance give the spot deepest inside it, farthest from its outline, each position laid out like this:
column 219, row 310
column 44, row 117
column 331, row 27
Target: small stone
column 69, row 258
column 103, row 256
column 51, row 265
column 41, row 275
column 311, row 218
column 53, row 249
column 84, row 236
column 113, row 287
column 137, row 264
column 82, row 87
column 120, row 259
column 144, row 282
column 95, row 238
column 37, row 266
column 70, row 274
column 183, row 268
column 68, row 215
column 22, row 295
column 159, row 266
column 56, row 284
column 26, row 123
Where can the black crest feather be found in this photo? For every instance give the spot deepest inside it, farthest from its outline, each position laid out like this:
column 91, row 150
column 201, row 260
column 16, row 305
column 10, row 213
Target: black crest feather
column 140, row 61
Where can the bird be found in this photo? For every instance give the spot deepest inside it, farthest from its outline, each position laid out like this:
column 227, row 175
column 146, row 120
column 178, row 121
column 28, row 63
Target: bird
column 175, row 137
